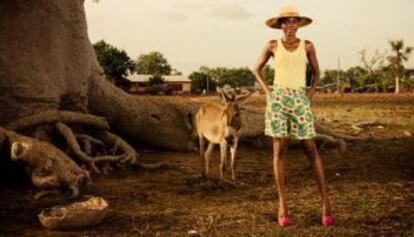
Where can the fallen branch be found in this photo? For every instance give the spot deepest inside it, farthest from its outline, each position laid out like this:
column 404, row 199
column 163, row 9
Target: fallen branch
column 331, row 140
column 321, row 129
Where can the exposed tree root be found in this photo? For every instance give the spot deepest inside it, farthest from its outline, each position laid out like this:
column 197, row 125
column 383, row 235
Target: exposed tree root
column 118, row 144
column 90, row 139
column 54, row 116
column 49, row 166
column 87, row 147
column 73, row 144
column 113, row 159
column 84, row 137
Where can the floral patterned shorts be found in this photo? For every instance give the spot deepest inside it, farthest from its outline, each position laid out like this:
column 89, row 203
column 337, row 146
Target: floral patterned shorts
column 288, row 114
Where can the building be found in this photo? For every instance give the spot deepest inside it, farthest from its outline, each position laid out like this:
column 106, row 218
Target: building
column 177, row 84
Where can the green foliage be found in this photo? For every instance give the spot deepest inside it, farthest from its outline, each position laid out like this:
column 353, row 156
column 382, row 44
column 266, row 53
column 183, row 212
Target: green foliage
column 234, row 77
column 269, row 74
column 357, row 77
column 115, row 63
column 329, row 77
column 201, row 81
column 153, row 63
column 373, row 71
column 156, row 80
column 175, row 72
column 386, row 78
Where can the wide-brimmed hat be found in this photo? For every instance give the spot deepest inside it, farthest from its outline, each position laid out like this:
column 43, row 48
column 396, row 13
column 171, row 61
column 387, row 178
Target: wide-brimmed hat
column 285, row 12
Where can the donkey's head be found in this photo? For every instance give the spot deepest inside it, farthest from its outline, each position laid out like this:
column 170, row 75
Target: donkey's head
column 230, row 115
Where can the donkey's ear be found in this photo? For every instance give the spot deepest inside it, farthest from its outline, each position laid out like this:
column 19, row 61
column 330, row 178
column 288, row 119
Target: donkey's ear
column 244, row 96
column 189, row 121
column 223, row 96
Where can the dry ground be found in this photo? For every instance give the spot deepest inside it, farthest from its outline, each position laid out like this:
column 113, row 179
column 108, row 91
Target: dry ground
column 371, row 186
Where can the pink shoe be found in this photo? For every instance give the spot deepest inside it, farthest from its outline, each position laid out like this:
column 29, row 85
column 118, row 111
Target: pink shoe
column 284, row 221
column 328, row 221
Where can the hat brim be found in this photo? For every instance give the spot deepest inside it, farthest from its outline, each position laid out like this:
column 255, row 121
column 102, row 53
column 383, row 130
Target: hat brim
column 275, row 21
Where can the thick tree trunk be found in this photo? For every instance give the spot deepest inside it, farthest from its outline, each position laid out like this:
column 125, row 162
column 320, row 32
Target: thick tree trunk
column 47, row 63
column 154, row 122
column 43, row 47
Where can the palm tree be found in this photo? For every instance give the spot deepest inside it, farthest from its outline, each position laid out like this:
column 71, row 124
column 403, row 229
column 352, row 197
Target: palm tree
column 399, row 55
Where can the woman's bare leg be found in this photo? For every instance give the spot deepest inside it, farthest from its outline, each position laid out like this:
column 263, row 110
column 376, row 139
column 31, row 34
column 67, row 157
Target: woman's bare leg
column 317, row 166
column 279, row 156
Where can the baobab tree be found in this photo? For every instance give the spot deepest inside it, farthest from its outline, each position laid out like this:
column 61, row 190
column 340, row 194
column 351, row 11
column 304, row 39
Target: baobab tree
column 56, row 103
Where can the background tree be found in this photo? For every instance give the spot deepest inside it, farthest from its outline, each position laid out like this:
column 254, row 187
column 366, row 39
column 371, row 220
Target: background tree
column 115, row 63
column 386, row 79
column 175, row 72
column 156, row 85
column 269, row 74
column 356, row 77
column 201, row 81
column 153, row 63
column 234, row 77
column 408, row 78
column 373, row 67
column 156, row 80
column 399, row 55
column 329, row 77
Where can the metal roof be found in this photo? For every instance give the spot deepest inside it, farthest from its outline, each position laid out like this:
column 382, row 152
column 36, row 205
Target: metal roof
column 145, row 77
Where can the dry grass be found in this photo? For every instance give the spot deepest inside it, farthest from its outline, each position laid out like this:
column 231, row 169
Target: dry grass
column 371, row 186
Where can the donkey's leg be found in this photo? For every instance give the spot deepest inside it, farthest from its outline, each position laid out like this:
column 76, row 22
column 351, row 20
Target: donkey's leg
column 202, row 144
column 207, row 157
column 223, row 156
column 233, row 150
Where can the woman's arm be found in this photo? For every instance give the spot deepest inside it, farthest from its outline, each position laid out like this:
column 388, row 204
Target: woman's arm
column 267, row 52
column 313, row 61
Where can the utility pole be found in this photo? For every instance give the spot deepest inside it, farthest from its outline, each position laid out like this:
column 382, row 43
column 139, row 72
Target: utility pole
column 338, row 76
column 208, row 86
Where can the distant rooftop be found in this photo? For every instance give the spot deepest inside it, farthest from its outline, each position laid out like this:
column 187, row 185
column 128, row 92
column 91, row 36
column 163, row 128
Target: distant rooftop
column 145, row 77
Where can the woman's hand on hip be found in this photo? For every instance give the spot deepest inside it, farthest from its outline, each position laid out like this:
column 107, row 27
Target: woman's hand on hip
column 310, row 94
column 268, row 91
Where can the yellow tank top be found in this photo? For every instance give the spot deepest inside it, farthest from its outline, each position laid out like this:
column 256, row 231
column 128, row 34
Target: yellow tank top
column 290, row 67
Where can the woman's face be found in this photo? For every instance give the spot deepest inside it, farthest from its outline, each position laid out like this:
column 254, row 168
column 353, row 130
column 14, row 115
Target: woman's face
column 290, row 25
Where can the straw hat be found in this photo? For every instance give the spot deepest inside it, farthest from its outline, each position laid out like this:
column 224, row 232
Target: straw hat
column 285, row 12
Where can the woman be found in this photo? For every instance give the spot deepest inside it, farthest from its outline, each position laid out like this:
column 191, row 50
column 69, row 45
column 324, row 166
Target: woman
column 288, row 112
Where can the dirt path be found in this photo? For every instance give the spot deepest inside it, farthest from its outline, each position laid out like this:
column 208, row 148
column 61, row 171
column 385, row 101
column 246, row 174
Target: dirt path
column 372, row 187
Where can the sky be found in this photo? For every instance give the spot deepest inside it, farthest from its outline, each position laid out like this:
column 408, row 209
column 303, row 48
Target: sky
column 232, row 33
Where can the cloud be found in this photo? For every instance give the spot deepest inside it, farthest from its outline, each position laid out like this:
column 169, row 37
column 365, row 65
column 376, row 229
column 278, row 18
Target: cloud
column 229, row 12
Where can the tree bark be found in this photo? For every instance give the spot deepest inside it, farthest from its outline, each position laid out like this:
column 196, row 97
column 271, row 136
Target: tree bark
column 47, row 63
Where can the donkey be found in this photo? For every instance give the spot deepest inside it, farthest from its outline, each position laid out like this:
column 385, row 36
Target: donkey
column 219, row 124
